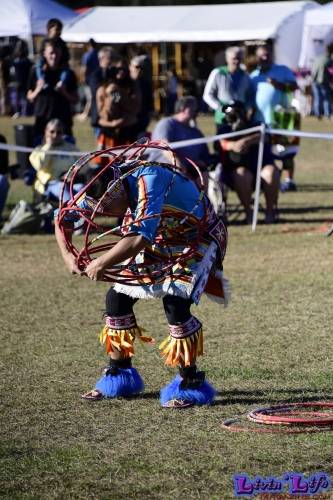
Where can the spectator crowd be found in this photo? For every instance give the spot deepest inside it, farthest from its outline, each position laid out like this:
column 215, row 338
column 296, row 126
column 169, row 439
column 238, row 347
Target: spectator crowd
column 117, row 96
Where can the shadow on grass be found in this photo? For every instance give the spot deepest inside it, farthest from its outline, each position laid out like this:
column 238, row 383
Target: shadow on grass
column 309, row 188
column 317, row 221
column 287, row 215
column 305, row 209
column 271, row 396
column 295, row 214
column 148, row 395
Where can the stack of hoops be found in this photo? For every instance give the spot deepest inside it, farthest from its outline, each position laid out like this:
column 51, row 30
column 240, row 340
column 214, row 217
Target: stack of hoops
column 288, row 418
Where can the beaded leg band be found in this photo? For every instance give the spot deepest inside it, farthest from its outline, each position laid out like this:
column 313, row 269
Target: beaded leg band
column 119, row 333
column 184, row 344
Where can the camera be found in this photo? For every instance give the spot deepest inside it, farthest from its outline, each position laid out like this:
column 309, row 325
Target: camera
column 234, row 111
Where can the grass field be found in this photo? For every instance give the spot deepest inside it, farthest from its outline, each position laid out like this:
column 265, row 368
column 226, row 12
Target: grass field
column 273, row 343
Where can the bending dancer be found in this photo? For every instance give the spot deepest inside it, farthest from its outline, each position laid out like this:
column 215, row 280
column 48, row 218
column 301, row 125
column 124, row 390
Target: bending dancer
column 171, row 247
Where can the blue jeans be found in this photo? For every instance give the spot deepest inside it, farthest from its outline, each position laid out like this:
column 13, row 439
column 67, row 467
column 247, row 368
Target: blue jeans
column 54, row 189
column 4, row 188
column 40, row 73
column 19, row 102
column 321, row 100
column 53, row 193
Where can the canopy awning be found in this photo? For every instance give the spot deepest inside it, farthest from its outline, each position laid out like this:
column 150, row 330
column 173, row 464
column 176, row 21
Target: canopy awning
column 195, row 23
column 24, row 18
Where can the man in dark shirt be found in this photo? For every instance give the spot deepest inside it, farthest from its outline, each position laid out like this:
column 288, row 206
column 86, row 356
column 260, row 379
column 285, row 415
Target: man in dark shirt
column 106, row 58
column 239, row 162
column 181, row 127
column 138, row 71
column 50, row 96
column 89, row 60
column 20, row 68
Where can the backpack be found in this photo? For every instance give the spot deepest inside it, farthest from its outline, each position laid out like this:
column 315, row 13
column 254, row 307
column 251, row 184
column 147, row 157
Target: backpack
column 26, row 219
column 285, row 118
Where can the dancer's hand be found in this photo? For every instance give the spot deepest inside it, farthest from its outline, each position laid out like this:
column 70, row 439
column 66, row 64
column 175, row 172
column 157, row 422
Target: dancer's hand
column 94, row 270
column 71, row 264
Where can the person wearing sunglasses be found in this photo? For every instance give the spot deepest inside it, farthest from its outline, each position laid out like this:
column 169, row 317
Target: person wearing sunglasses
column 239, row 157
column 140, row 72
column 51, row 168
column 118, row 104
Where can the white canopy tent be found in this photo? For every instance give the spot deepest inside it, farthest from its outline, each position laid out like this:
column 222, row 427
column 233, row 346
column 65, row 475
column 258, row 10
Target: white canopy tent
column 282, row 21
column 24, row 18
column 317, row 34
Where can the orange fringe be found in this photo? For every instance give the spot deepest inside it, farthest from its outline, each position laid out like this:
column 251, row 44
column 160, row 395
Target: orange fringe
column 182, row 352
column 122, row 341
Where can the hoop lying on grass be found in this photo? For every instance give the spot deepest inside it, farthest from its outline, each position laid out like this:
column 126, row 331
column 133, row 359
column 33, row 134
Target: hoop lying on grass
column 169, row 244
column 299, row 417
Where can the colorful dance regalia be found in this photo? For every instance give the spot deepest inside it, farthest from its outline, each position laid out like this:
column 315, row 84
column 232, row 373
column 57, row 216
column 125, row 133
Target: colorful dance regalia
column 183, row 257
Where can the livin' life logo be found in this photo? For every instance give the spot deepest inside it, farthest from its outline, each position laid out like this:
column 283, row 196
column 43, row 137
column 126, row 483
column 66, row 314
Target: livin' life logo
column 294, row 483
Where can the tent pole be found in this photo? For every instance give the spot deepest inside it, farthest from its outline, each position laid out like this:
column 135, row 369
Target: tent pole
column 30, row 42
column 156, row 76
column 178, row 65
column 178, row 58
column 258, row 177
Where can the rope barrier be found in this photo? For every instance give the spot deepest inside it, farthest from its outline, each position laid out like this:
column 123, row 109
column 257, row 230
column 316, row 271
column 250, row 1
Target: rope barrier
column 193, row 142
column 190, row 142
column 298, row 133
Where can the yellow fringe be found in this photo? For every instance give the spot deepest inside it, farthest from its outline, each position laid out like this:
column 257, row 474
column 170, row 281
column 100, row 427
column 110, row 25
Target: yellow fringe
column 122, row 340
column 182, row 352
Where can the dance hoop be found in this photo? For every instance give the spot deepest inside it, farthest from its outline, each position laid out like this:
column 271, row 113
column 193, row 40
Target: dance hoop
column 288, row 416
column 175, row 225
column 296, row 416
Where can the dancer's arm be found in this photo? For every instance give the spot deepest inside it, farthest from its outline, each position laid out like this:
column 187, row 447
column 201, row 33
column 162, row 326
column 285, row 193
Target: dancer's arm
column 127, row 247
column 68, row 257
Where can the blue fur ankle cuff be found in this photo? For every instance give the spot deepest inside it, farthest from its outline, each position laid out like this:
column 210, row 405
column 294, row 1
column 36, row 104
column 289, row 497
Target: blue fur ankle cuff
column 125, row 383
column 203, row 395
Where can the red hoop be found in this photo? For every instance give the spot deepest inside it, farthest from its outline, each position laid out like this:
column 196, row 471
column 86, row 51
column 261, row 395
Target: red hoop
column 267, row 415
column 149, row 272
column 231, row 425
column 322, row 423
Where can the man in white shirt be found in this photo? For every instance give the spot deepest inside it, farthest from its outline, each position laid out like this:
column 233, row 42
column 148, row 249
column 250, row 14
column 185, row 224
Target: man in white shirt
column 228, row 83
